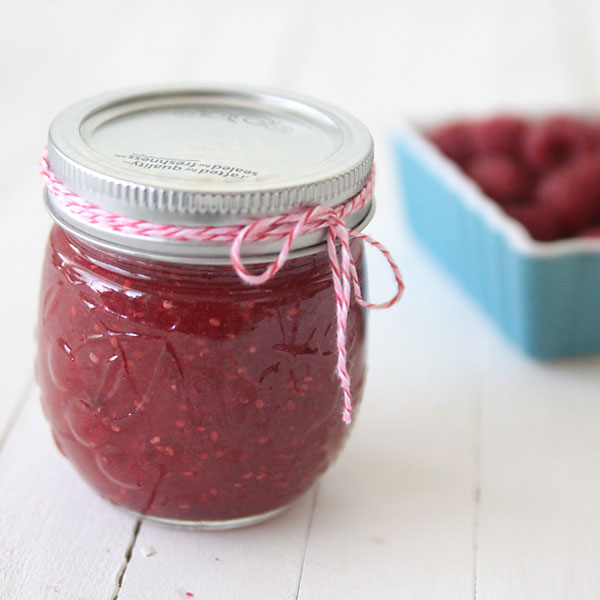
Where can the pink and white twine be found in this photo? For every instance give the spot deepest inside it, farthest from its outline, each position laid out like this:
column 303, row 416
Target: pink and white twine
column 287, row 227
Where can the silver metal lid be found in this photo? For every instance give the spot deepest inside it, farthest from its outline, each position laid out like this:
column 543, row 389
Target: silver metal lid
column 205, row 155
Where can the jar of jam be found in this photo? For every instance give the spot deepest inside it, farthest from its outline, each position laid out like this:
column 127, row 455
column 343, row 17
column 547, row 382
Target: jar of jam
column 178, row 390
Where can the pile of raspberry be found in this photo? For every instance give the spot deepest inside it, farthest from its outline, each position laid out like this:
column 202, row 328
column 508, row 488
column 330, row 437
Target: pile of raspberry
column 545, row 174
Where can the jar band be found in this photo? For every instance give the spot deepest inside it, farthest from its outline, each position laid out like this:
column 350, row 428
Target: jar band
column 287, row 227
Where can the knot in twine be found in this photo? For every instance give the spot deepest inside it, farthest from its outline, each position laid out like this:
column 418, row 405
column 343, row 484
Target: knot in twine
column 287, row 227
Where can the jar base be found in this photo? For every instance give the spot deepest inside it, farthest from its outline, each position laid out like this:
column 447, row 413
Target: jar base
column 222, row 525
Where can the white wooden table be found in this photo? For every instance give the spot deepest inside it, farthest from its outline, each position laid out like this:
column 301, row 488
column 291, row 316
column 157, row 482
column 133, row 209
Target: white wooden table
column 472, row 472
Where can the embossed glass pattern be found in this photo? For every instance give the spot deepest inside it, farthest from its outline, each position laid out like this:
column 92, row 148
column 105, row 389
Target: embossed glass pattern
column 180, row 392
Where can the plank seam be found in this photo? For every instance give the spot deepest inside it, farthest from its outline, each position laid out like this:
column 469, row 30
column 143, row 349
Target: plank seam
column 128, row 555
column 308, row 530
column 16, row 412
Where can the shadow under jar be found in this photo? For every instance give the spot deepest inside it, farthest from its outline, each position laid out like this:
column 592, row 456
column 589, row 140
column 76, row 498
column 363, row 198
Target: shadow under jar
column 176, row 389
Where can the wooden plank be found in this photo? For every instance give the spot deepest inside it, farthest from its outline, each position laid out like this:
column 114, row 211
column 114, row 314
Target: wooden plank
column 57, row 538
column 253, row 563
column 539, row 532
column 395, row 518
column 19, row 299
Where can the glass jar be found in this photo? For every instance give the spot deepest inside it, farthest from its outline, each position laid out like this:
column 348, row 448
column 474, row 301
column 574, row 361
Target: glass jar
column 180, row 392
column 177, row 390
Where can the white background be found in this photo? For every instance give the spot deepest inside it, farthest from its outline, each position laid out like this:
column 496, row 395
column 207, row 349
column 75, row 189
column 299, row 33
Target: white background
column 472, row 472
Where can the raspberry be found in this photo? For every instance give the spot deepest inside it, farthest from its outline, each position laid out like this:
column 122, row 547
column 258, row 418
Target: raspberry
column 500, row 177
column 556, row 141
column 455, row 140
column 543, row 222
column 574, row 191
column 500, row 135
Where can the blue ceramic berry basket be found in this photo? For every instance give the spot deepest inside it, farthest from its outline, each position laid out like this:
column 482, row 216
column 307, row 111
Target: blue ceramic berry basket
column 544, row 296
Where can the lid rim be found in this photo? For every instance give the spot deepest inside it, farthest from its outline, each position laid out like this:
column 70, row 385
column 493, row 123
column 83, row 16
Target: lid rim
column 153, row 194
column 197, row 207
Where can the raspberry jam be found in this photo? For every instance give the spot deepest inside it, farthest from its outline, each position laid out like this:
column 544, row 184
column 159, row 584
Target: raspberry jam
column 201, row 328
column 182, row 393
